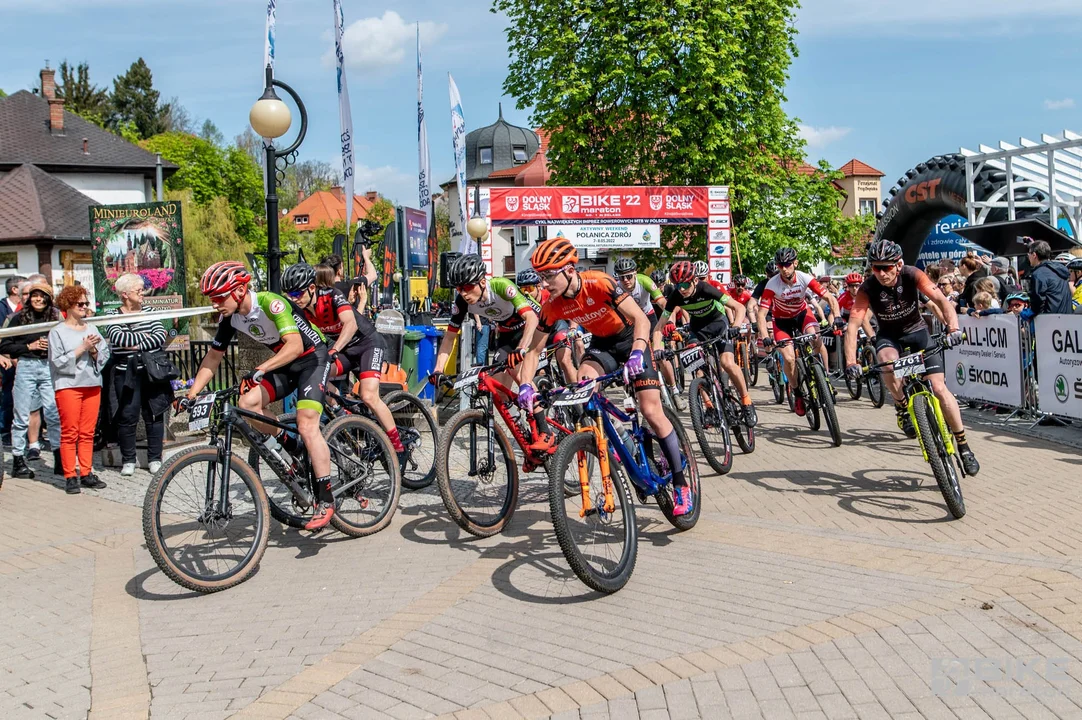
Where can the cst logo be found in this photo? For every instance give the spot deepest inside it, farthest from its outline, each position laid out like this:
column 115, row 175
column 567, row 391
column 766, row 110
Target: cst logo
column 960, row 374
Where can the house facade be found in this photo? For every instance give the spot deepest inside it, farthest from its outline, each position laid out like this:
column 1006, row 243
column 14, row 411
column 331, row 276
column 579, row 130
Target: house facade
column 53, row 166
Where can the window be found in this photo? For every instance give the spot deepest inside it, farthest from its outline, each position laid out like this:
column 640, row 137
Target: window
column 9, row 260
column 867, row 206
column 519, row 153
column 486, row 156
column 302, row 219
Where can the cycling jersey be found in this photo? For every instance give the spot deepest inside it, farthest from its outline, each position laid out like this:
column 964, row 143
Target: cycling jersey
column 757, row 291
column 645, row 293
column 741, row 296
column 788, row 301
column 271, row 318
column 326, row 311
column 595, row 307
column 845, row 303
column 897, row 308
column 716, row 285
column 706, row 305
column 502, row 303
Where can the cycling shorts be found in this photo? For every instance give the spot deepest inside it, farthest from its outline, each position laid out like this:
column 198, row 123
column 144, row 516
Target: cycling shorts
column 713, row 329
column 611, row 353
column 506, row 343
column 307, row 375
column 914, row 342
column 803, row 323
column 364, row 358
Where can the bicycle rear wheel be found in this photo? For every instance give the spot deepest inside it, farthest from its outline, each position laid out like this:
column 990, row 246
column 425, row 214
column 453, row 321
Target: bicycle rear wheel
column 946, row 475
column 734, row 411
column 480, row 494
column 710, row 426
column 600, row 546
column 365, row 476
column 195, row 545
column 855, row 386
column 419, row 435
column 753, row 356
column 777, row 385
column 826, row 399
column 876, row 391
column 812, row 401
column 280, row 499
column 659, row 463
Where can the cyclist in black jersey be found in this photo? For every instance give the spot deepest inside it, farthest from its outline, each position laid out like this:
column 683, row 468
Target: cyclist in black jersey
column 355, row 344
column 299, row 363
column 893, row 294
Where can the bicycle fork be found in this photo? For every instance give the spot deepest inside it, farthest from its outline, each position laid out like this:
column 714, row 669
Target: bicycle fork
column 606, row 476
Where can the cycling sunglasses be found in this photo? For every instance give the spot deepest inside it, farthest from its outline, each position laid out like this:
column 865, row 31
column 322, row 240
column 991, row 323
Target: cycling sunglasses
column 786, row 265
column 626, row 278
column 466, row 288
column 296, row 294
column 683, row 286
column 527, row 288
column 883, row 268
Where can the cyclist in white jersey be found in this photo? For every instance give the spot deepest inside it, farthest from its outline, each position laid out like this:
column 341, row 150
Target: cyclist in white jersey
column 645, row 292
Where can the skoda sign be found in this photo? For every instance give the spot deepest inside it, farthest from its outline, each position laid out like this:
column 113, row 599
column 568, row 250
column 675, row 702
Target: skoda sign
column 960, row 374
column 1060, row 388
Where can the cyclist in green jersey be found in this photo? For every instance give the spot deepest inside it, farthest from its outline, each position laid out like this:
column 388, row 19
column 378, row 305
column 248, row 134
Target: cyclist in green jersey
column 299, row 362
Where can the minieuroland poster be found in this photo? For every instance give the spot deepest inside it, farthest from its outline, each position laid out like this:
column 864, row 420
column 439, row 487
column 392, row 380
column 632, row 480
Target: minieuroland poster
column 145, row 239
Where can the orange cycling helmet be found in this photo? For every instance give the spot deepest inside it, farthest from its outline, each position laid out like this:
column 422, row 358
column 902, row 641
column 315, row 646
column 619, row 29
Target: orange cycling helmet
column 854, row 278
column 223, row 278
column 554, row 254
column 681, row 272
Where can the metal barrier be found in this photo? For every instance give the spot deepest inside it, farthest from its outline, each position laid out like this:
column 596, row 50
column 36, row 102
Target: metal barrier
column 188, row 361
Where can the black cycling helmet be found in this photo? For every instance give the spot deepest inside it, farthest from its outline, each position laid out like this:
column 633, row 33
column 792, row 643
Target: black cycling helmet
column 659, row 276
column 467, row 270
column 528, row 276
column 785, row 256
column 884, row 251
column 771, row 269
column 296, row 278
column 741, row 281
column 625, row 265
column 1075, row 265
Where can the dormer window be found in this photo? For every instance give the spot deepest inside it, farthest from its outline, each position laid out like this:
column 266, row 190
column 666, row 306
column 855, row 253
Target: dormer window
column 486, row 156
column 519, row 153
column 302, row 219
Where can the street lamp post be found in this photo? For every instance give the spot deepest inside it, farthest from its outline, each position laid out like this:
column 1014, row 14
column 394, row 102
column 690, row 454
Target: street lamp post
column 476, row 226
column 270, row 118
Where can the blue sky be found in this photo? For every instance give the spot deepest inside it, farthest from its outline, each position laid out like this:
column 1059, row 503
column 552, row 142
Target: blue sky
column 889, row 82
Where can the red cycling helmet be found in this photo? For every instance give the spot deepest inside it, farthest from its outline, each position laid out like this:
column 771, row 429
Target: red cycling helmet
column 682, row 272
column 854, row 278
column 224, row 278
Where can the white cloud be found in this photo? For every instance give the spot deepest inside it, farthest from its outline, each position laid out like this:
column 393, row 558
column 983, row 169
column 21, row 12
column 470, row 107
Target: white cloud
column 377, row 43
column 391, row 182
column 818, row 137
column 1063, row 104
column 960, row 17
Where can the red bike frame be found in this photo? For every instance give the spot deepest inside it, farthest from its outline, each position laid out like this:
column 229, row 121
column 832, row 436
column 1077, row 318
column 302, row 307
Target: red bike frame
column 502, row 396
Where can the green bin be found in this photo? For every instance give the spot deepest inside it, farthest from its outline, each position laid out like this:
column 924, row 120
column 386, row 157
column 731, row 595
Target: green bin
column 410, row 346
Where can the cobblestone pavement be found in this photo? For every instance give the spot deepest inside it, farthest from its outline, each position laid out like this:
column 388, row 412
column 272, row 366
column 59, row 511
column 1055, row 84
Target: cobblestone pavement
column 820, row 583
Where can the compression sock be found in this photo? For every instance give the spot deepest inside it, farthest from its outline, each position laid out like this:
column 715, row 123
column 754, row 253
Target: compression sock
column 960, row 438
column 901, row 407
column 323, row 490
column 670, row 445
column 396, row 441
column 542, row 422
column 289, row 441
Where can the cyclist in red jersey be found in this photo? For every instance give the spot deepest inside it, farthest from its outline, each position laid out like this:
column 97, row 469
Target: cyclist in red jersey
column 853, row 282
column 786, row 296
column 621, row 337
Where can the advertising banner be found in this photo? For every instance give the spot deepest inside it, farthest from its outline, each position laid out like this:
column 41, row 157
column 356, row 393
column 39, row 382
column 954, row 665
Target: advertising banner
column 988, row 365
column 1059, row 364
column 719, row 225
column 458, row 141
column 608, row 237
column 633, row 205
column 416, row 237
column 345, row 115
column 943, row 243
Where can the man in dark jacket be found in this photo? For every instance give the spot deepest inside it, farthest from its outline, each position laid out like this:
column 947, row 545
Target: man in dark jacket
column 1049, row 291
column 10, row 305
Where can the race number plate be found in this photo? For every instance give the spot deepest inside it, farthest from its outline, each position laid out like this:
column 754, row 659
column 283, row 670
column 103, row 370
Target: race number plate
column 468, row 378
column 199, row 415
column 909, row 365
column 692, row 359
column 543, row 361
column 577, row 396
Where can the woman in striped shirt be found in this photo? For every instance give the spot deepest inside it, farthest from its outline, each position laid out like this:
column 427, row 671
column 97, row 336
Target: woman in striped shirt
column 133, row 392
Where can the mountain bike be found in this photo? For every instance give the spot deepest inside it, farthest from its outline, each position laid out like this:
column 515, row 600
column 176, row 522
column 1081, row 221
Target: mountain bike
column 811, row 378
column 873, row 378
column 476, row 471
column 747, row 357
column 935, row 438
column 716, row 412
column 595, row 525
column 206, row 515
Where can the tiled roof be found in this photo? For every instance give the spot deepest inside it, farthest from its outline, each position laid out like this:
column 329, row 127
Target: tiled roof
column 532, row 173
column 25, row 138
column 36, row 206
column 856, row 167
column 326, row 207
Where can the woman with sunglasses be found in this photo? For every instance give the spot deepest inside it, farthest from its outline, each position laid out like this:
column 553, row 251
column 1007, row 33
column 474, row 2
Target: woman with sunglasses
column 893, row 294
column 77, row 354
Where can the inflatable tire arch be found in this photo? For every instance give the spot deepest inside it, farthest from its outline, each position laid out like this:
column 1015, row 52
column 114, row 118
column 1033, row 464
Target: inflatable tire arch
column 935, row 189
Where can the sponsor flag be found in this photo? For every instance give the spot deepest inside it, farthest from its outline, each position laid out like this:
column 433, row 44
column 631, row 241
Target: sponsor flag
column 424, row 170
column 345, row 116
column 458, row 138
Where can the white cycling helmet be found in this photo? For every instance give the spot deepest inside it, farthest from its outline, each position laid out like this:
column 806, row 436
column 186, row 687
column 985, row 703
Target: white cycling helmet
column 701, row 269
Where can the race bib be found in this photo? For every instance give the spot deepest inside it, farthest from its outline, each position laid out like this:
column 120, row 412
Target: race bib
column 468, row 378
column 199, row 415
column 692, row 359
column 909, row 365
column 577, row 396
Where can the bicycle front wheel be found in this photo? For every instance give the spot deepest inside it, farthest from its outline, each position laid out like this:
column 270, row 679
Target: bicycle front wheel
column 753, row 356
column 365, row 476
column 745, row 363
column 826, row 400
column 476, row 474
column 417, row 430
column 935, row 447
column 196, row 543
column 874, row 380
column 711, row 429
column 600, row 546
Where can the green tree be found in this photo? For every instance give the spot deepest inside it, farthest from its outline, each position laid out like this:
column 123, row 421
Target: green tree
column 135, row 100
column 670, row 92
column 2, row 93
column 305, row 178
column 209, row 236
column 81, row 96
column 210, row 132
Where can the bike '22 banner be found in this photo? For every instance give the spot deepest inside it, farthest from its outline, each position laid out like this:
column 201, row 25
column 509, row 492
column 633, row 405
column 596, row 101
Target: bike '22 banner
column 618, row 205
column 988, row 365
